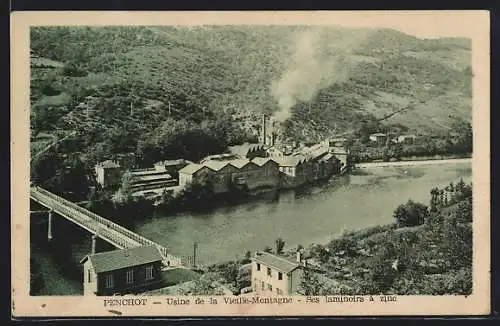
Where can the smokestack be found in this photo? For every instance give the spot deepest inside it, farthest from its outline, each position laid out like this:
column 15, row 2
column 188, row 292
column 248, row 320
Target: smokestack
column 263, row 131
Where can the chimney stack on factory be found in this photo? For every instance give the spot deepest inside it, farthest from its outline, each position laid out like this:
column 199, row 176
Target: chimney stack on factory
column 268, row 133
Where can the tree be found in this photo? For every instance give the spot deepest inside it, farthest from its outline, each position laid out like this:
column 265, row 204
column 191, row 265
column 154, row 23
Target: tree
column 268, row 249
column 229, row 272
column 244, row 278
column 310, row 283
column 382, row 272
column 434, row 199
column 410, row 214
column 280, row 244
column 248, row 257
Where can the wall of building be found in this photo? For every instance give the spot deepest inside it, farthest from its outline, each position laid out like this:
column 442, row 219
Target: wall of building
column 294, row 279
column 260, row 277
column 108, row 177
column 185, row 178
column 89, row 285
column 120, row 284
column 222, row 179
column 258, row 176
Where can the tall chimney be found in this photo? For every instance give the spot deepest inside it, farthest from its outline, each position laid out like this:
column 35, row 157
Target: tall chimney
column 299, row 256
column 264, row 132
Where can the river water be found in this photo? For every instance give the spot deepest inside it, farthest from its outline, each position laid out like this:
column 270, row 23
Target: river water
column 363, row 199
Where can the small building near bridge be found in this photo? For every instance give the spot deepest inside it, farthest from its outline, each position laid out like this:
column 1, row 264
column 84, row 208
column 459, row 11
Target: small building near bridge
column 132, row 270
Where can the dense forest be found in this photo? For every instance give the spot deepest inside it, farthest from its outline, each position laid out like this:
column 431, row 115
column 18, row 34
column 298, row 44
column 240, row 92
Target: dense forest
column 168, row 92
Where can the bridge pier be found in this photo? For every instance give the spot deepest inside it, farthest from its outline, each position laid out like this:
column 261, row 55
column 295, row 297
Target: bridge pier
column 49, row 226
column 94, row 243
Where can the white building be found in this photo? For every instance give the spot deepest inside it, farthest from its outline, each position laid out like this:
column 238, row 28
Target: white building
column 274, row 275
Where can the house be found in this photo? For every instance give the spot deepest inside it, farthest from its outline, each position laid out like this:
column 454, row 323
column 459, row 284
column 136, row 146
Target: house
column 108, row 173
column 275, row 275
column 249, row 150
column 378, row 138
column 122, row 271
column 406, row 139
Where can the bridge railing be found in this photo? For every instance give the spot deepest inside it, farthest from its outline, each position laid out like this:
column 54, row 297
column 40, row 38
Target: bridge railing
column 134, row 236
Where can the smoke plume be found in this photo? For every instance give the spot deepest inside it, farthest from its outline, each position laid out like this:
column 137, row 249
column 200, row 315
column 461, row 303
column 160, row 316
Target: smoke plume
column 314, row 64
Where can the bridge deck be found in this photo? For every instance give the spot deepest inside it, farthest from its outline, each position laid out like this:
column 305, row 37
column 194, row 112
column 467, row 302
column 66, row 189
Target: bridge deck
column 109, row 231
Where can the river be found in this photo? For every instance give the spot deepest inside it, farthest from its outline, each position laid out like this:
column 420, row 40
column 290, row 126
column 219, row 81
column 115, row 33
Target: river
column 366, row 198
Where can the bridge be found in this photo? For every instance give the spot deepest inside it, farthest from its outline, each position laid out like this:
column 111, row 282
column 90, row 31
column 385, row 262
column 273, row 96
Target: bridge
column 100, row 227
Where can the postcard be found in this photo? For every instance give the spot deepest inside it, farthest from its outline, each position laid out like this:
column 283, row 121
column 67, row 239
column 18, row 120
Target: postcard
column 189, row 164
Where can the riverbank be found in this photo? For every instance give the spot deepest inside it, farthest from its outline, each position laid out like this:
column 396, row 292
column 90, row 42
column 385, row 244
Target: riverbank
column 413, row 162
column 429, row 257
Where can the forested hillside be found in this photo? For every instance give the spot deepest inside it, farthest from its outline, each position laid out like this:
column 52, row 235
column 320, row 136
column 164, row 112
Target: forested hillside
column 165, row 91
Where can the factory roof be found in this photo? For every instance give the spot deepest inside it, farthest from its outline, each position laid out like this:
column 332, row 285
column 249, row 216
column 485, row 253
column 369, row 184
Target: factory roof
column 191, row 168
column 289, row 160
column 260, row 161
column 173, row 162
column 280, row 263
column 219, row 157
column 326, row 157
column 123, row 258
column 240, row 162
column 215, row 165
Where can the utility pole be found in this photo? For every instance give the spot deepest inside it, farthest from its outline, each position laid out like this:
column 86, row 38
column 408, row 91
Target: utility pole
column 194, row 254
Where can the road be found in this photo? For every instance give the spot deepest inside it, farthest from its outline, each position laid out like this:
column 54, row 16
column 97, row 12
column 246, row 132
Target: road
column 411, row 163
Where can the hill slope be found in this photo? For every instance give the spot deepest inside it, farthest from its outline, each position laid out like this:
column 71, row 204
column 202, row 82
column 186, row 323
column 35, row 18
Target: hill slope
column 127, row 81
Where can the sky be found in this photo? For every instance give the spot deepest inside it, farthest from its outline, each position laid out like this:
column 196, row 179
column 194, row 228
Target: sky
column 423, row 24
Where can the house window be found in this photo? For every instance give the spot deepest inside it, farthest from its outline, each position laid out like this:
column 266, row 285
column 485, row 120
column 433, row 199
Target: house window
column 269, row 287
column 110, row 281
column 280, row 275
column 263, row 285
column 258, row 266
column 89, row 278
column 149, row 273
column 269, row 272
column 130, row 276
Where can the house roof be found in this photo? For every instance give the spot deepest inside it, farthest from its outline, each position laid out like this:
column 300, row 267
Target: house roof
column 123, row 258
column 280, row 263
column 191, row 168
